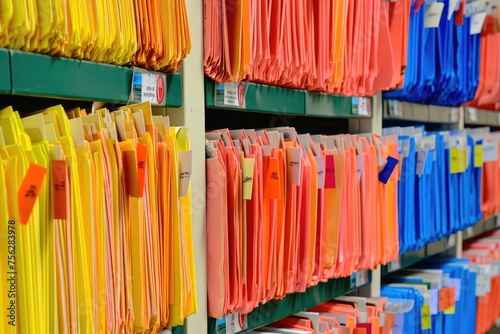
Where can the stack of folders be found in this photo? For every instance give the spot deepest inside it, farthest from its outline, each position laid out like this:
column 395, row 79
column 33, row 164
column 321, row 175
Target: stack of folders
column 354, row 47
column 488, row 92
column 443, row 294
column 344, row 315
column 484, row 253
column 440, row 185
column 150, row 34
column 95, row 220
column 286, row 211
column 444, row 53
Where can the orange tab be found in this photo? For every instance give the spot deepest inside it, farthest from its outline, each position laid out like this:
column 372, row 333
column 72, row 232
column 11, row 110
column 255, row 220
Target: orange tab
column 446, row 298
column 28, row 193
column 142, row 154
column 273, row 184
column 61, row 188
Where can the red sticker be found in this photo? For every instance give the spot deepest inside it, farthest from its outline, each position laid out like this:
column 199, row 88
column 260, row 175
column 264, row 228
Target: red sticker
column 330, row 172
column 142, row 154
column 160, row 89
column 29, row 191
column 61, row 188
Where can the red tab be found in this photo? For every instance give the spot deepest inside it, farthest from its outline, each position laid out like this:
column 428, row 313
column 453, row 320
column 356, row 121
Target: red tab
column 330, row 172
column 446, row 298
column 142, row 154
column 28, row 193
column 419, row 4
column 459, row 14
column 61, row 188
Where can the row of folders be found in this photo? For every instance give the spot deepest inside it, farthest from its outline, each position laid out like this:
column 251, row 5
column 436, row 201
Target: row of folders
column 437, row 296
column 149, row 34
column 286, row 211
column 96, row 221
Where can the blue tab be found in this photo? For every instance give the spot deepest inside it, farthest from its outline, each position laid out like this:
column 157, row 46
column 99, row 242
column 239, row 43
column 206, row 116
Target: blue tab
column 386, row 173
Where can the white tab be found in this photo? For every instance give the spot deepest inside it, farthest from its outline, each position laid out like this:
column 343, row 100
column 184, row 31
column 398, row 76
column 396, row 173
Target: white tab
column 320, row 163
column 433, row 12
column 294, row 160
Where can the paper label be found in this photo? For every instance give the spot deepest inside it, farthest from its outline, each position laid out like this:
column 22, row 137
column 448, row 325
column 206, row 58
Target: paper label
column 330, row 172
column 142, row 154
column 294, row 163
column 421, row 159
column 235, row 323
column 361, row 106
column 359, row 166
column 61, row 188
column 395, row 108
column 434, row 309
column 478, row 156
column 490, row 151
column 150, row 87
column 454, row 115
column 453, row 6
column 472, row 114
column 186, row 168
column 231, row 94
column 29, row 191
column 433, row 12
column 320, row 163
column 426, row 317
column 457, row 284
column 248, row 167
column 394, row 265
column 477, row 22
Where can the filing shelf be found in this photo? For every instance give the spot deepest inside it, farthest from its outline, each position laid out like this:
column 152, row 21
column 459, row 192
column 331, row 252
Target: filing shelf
column 278, row 100
column 41, row 75
column 275, row 310
column 399, row 110
column 474, row 116
column 482, row 227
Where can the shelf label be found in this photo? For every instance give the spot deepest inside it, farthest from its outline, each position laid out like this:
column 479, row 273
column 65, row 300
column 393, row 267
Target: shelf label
column 235, row 323
column 361, row 106
column 231, row 94
column 220, row 326
column 394, row 264
column 149, row 86
column 395, row 108
column 472, row 114
column 359, row 278
column 454, row 115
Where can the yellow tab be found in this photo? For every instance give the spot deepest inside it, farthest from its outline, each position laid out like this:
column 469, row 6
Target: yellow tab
column 457, row 160
column 426, row 317
column 450, row 310
column 478, row 156
column 248, row 164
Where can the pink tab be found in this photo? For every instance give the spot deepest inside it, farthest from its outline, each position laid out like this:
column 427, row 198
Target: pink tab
column 330, row 172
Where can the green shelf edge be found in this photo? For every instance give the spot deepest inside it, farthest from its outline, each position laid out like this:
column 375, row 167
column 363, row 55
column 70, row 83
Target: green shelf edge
column 5, row 86
column 263, row 98
column 275, row 310
column 178, row 330
column 278, row 100
column 45, row 76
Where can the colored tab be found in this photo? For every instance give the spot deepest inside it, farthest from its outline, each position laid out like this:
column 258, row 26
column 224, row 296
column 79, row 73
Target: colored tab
column 248, row 164
column 29, row 191
column 330, row 172
column 478, row 156
column 60, row 182
column 450, row 310
column 273, row 183
column 426, row 317
column 389, row 167
column 399, row 324
column 446, row 298
column 457, row 160
column 434, row 308
column 142, row 153
column 457, row 284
